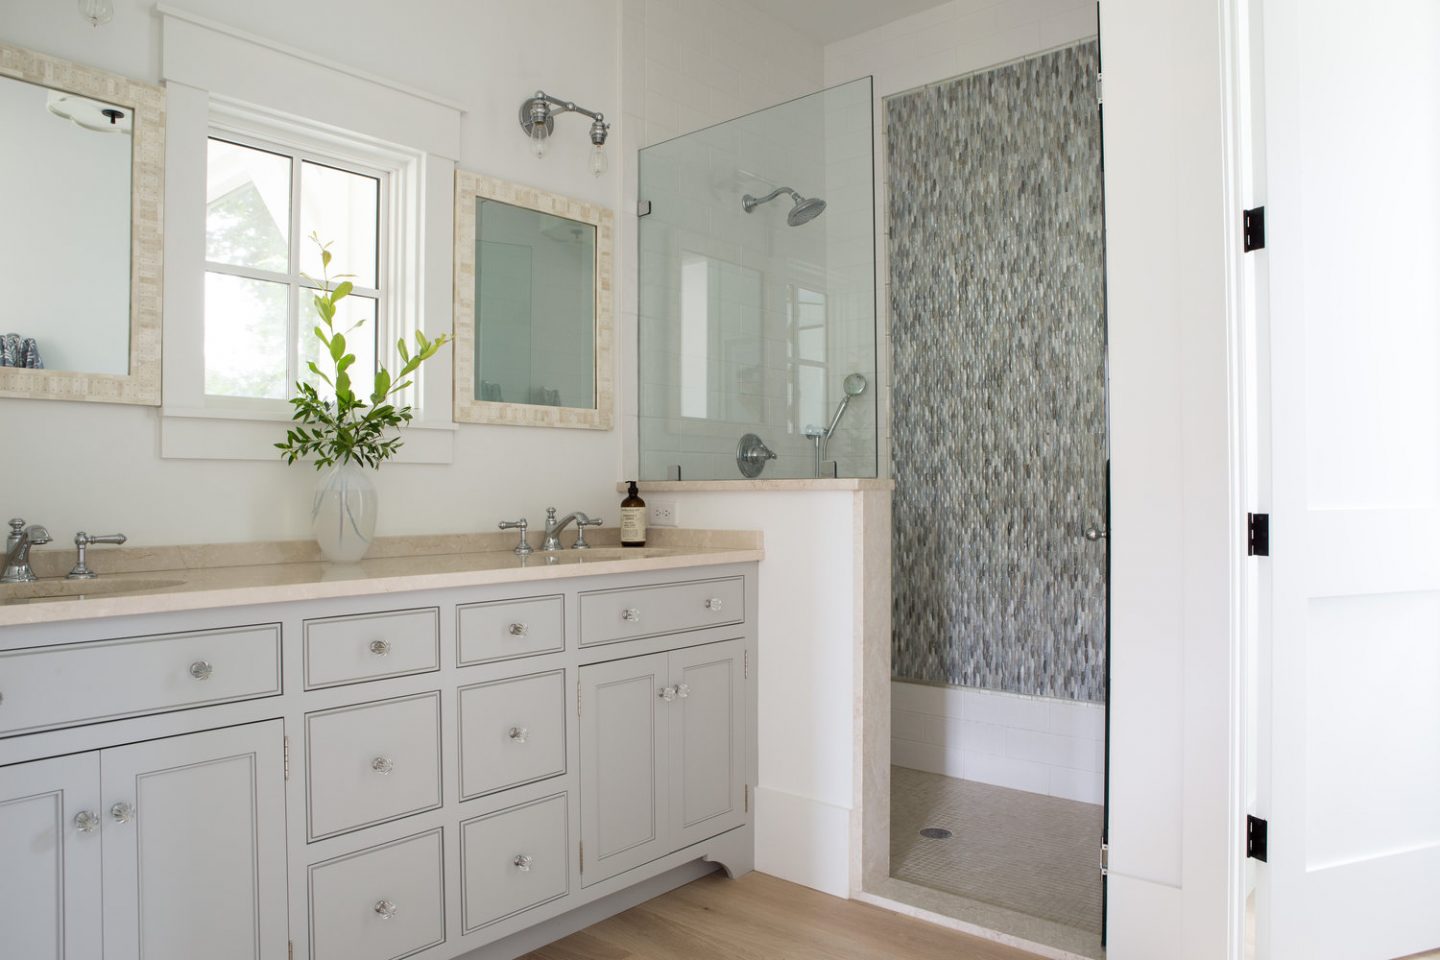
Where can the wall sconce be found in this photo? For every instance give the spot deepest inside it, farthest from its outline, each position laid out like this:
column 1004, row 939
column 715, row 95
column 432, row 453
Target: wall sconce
column 537, row 119
column 98, row 12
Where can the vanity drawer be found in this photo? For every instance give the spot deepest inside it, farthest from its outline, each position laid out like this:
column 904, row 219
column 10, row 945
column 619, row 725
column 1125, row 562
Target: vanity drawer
column 371, row 646
column 45, row 687
column 372, row 762
column 511, row 732
column 381, row 903
column 610, row 615
column 505, row 629
column 514, row 860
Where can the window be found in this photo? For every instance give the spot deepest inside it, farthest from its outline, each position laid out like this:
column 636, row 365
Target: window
column 263, row 203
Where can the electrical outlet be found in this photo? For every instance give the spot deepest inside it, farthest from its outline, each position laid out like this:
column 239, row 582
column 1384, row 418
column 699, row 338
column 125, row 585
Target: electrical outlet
column 664, row 513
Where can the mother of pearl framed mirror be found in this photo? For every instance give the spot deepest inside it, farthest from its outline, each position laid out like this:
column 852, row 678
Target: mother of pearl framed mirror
column 534, row 327
column 82, row 179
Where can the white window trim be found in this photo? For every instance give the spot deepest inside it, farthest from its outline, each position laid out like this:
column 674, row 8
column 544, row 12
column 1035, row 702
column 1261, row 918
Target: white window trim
column 246, row 429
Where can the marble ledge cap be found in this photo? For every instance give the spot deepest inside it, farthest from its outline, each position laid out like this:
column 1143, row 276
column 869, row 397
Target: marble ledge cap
column 855, row 484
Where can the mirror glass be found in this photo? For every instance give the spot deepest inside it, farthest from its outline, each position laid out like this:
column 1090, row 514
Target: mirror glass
column 65, row 186
column 534, row 307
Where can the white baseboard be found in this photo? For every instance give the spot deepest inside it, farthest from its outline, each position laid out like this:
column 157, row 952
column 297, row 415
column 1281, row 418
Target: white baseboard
column 1040, row 744
column 803, row 840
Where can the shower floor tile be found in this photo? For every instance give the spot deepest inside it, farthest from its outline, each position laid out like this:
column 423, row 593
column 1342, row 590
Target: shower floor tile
column 1033, row 854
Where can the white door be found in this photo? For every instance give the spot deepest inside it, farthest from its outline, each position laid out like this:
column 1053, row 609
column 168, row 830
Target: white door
column 707, row 741
column 624, row 751
column 50, row 859
column 1352, row 197
column 194, row 850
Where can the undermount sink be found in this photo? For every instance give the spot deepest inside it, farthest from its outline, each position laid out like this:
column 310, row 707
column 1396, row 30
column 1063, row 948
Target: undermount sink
column 61, row 589
column 597, row 554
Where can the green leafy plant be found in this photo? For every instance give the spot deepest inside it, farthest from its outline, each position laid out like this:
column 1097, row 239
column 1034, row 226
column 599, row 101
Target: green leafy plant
column 351, row 428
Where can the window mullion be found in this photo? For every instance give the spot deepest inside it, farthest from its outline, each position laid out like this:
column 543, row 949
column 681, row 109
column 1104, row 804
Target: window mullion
column 292, row 358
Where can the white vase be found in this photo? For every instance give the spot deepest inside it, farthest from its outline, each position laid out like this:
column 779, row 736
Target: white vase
column 344, row 512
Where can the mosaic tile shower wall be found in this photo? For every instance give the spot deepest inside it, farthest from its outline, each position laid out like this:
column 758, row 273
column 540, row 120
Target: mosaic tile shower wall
column 998, row 342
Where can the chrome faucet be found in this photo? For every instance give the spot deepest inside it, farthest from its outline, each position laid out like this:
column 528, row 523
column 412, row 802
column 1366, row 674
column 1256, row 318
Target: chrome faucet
column 553, row 528
column 17, row 550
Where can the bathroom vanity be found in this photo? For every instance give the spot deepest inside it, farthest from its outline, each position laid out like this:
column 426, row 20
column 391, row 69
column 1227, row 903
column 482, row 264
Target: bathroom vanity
column 421, row 756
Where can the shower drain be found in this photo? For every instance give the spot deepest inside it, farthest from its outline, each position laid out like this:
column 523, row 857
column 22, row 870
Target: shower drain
column 936, row 833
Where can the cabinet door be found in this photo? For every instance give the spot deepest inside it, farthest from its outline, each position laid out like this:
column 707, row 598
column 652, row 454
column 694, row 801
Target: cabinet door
column 50, row 859
column 194, row 851
column 623, row 756
column 707, row 741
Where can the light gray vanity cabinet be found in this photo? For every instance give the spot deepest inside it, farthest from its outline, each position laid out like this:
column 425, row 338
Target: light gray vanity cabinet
column 50, row 858
column 662, row 754
column 177, row 841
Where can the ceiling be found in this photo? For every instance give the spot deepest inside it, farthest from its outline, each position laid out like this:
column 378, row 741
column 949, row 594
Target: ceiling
column 829, row 20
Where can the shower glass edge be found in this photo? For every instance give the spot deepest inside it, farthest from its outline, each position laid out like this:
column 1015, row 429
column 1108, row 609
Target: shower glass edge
column 754, row 313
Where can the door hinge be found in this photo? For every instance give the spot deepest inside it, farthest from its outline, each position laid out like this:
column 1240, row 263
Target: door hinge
column 577, row 698
column 1257, row 534
column 292, row 950
column 1254, row 221
column 1257, row 838
column 287, row 758
column 582, row 856
column 1104, row 859
column 747, row 798
column 642, row 208
column 1100, row 88
column 747, row 664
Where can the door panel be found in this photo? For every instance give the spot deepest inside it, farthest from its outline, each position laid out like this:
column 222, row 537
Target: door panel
column 49, row 865
column 707, row 742
column 623, row 759
column 1354, row 637
column 196, row 866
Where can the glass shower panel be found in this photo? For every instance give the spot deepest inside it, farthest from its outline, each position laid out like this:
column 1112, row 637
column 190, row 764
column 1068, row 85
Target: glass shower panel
column 757, row 293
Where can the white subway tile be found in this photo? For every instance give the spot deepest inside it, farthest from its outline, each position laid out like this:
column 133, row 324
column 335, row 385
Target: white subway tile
column 908, row 725
column 1005, row 772
column 1082, row 785
column 925, row 756
column 1074, row 718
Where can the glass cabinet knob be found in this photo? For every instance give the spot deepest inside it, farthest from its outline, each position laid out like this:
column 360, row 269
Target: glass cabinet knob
column 382, row 766
column 519, row 629
column 519, row 734
column 682, row 690
column 122, row 812
column 201, row 670
column 667, row 694
column 630, row 615
column 522, row 863
column 86, row 822
column 386, row 909
column 381, row 648
column 714, row 603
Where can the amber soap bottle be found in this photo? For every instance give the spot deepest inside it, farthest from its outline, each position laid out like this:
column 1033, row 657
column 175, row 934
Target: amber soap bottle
column 632, row 519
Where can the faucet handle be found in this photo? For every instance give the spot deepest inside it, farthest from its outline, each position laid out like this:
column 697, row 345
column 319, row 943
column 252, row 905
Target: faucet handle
column 523, row 547
column 581, row 523
column 82, row 571
column 17, row 527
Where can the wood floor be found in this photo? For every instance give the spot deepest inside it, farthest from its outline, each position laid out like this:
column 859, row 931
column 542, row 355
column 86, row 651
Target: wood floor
column 761, row 918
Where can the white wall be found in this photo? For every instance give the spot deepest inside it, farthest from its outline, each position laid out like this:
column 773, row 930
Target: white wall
column 98, row 465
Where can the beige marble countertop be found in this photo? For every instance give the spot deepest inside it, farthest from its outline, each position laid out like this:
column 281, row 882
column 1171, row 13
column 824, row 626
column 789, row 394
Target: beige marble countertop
column 144, row 580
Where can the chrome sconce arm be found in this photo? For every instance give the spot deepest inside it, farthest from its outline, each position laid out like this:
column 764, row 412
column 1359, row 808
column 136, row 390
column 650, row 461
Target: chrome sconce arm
column 537, row 119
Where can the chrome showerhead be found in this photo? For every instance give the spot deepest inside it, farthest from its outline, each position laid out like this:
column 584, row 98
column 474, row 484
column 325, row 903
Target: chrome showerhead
column 804, row 210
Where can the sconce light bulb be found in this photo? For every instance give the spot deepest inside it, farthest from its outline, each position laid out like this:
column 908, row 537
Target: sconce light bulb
column 97, row 11
column 537, row 146
column 598, row 161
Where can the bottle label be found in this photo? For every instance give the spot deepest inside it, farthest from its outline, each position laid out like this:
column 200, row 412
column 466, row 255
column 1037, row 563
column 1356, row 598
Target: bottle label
column 632, row 524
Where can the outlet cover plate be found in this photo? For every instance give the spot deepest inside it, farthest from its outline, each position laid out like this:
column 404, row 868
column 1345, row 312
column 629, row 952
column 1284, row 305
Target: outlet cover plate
column 664, row 513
